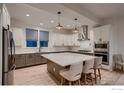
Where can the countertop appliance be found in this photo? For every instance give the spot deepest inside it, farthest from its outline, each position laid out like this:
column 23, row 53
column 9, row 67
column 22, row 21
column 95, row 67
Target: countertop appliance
column 102, row 49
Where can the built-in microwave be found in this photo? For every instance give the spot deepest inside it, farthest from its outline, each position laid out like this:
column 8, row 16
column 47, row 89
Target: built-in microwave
column 101, row 45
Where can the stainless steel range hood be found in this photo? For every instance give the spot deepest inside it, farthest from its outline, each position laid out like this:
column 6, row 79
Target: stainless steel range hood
column 83, row 34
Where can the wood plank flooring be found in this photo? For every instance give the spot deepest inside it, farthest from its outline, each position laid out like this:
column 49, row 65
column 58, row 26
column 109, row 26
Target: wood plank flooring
column 38, row 75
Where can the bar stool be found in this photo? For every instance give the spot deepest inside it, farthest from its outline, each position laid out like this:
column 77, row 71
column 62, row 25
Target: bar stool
column 73, row 74
column 118, row 59
column 88, row 69
column 97, row 66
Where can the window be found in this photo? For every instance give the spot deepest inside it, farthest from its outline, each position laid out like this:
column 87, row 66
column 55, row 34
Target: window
column 44, row 38
column 31, row 43
column 31, row 37
column 43, row 43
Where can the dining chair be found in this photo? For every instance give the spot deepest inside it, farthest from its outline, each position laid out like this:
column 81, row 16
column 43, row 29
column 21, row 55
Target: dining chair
column 73, row 74
column 88, row 70
column 97, row 66
column 117, row 58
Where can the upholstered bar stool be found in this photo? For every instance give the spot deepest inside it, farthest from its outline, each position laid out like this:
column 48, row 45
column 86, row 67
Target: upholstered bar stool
column 73, row 74
column 117, row 58
column 97, row 67
column 88, row 69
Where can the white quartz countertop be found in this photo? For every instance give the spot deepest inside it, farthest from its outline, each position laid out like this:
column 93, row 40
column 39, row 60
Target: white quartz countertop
column 28, row 52
column 65, row 59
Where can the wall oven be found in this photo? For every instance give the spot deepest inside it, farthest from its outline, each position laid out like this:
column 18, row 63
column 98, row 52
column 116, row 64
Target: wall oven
column 102, row 49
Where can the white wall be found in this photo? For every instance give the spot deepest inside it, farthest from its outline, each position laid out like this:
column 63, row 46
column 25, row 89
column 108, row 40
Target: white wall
column 117, row 36
column 0, row 46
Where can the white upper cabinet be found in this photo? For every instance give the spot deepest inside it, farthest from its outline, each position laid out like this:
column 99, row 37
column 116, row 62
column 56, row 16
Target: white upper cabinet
column 101, row 33
column 5, row 16
column 97, row 34
column 105, row 33
column 18, row 36
column 65, row 39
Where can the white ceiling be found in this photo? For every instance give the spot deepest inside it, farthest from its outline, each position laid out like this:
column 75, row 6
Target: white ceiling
column 105, row 11
column 90, row 14
column 44, row 13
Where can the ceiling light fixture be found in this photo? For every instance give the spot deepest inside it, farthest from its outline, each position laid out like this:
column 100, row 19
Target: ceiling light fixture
column 75, row 29
column 52, row 21
column 59, row 25
column 27, row 14
column 68, row 25
column 41, row 24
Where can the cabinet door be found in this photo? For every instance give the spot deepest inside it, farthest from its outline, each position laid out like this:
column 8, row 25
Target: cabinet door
column 30, row 59
column 105, row 33
column 4, row 15
column 7, row 17
column 43, row 60
column 73, row 39
column 17, row 35
column 20, row 60
column 61, row 41
column 70, row 40
column 39, row 59
column 77, row 43
column 65, row 40
column 102, row 33
column 97, row 34
column 57, row 39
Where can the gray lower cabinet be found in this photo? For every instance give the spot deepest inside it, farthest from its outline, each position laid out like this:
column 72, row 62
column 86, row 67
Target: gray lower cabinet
column 20, row 60
column 23, row 60
column 54, row 69
column 39, row 59
column 30, row 59
column 43, row 60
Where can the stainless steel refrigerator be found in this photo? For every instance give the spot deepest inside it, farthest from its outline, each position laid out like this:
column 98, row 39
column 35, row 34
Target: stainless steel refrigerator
column 8, row 59
column 7, row 49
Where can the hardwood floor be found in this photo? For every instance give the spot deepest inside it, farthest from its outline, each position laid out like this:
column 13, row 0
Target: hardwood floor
column 38, row 75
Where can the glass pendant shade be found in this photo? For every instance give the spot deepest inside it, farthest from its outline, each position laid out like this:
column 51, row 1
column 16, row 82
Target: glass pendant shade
column 75, row 29
column 59, row 26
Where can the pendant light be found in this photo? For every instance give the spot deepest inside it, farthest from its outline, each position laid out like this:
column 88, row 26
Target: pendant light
column 75, row 29
column 59, row 25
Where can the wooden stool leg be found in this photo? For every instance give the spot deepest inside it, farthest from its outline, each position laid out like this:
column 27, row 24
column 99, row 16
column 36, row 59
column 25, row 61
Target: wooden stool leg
column 85, row 79
column 92, row 81
column 99, row 73
column 79, row 82
column 70, row 82
column 95, row 76
column 62, row 80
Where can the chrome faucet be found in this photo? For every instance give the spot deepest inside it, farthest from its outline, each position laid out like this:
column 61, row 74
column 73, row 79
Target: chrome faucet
column 39, row 49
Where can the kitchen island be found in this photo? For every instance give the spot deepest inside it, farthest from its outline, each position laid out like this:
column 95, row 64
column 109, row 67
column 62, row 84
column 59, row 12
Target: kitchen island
column 59, row 61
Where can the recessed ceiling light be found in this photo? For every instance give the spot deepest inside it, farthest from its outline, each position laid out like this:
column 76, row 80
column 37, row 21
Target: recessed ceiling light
column 41, row 24
column 52, row 21
column 27, row 14
column 68, row 25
